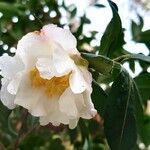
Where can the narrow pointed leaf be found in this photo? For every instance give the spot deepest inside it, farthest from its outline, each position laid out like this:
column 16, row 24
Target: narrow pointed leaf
column 140, row 57
column 112, row 34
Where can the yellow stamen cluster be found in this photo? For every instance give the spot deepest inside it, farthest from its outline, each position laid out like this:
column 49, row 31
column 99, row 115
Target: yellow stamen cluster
column 53, row 87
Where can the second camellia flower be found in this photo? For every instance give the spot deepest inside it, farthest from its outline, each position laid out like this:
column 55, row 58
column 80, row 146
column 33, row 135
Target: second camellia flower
column 48, row 77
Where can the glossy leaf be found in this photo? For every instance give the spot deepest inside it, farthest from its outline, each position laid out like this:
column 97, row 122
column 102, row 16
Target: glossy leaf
column 119, row 118
column 100, row 63
column 141, row 57
column 99, row 98
column 111, row 36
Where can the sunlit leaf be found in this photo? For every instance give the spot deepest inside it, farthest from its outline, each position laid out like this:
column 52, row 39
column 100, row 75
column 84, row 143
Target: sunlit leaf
column 100, row 63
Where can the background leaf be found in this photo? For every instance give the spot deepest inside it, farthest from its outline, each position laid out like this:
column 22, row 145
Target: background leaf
column 143, row 83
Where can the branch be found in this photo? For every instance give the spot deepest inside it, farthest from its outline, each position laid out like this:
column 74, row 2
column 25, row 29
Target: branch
column 20, row 132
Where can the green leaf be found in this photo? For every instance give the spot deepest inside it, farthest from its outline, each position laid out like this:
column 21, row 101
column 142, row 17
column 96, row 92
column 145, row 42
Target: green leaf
column 9, row 9
column 113, row 32
column 145, row 135
column 139, row 35
column 143, row 37
column 85, row 135
column 73, row 135
column 140, row 57
column 73, row 12
column 138, row 106
column 147, row 44
column 5, row 133
column 141, row 22
column 84, row 130
column 143, row 83
column 56, row 144
column 135, row 29
column 4, row 114
column 100, row 63
column 119, row 118
column 99, row 98
column 130, row 57
column 132, row 65
column 99, row 5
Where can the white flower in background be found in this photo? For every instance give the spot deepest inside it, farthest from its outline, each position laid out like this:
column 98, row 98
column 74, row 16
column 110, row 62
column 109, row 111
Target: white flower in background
column 48, row 77
column 148, row 108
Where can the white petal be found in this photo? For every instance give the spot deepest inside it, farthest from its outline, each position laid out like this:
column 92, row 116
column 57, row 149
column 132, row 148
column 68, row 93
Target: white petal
column 62, row 36
column 44, row 106
column 88, row 102
column 86, row 74
column 62, row 62
column 45, row 67
column 44, row 121
column 30, row 98
column 77, row 82
column 14, row 84
column 74, row 105
column 73, row 123
column 54, row 116
column 67, row 104
column 38, row 108
column 6, row 98
column 84, row 110
column 32, row 46
column 9, row 66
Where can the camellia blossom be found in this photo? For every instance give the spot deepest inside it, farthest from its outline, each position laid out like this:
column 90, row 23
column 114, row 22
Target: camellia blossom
column 48, row 77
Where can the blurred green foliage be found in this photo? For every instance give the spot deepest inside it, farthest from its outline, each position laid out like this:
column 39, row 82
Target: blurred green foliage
column 121, row 107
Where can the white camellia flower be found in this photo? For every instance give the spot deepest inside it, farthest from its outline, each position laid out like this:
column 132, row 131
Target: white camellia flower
column 48, row 77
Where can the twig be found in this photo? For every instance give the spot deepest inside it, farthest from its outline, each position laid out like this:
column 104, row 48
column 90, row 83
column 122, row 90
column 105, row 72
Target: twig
column 24, row 118
column 127, row 56
column 2, row 147
column 28, row 132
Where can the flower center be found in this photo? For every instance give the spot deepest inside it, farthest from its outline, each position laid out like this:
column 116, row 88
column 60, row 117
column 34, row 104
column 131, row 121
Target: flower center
column 53, row 87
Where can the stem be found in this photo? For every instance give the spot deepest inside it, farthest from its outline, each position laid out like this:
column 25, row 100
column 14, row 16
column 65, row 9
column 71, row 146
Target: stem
column 24, row 118
column 122, row 57
column 2, row 147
